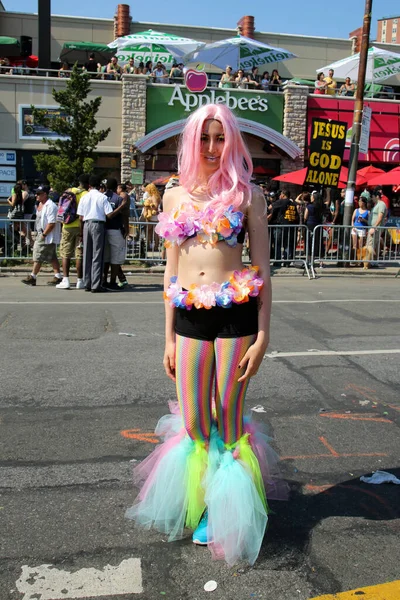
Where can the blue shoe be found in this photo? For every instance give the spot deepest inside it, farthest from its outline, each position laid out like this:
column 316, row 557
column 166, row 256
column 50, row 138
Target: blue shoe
column 200, row 533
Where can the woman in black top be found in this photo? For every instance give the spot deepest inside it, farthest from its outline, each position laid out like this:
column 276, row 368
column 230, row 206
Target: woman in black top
column 313, row 216
column 275, row 82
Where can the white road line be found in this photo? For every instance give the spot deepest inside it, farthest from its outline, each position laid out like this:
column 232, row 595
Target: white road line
column 49, row 583
column 330, row 301
column 331, row 353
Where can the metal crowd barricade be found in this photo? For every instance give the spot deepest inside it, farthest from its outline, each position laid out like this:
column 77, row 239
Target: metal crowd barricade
column 16, row 239
column 346, row 246
column 289, row 246
column 143, row 244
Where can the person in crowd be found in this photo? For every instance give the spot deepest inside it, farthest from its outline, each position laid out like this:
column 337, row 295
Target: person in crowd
column 115, row 245
column 330, row 83
column 141, row 68
column 29, row 209
column 265, row 81
column 348, row 88
column 151, row 209
column 5, row 67
column 129, row 189
column 91, row 65
column 129, row 68
column 93, row 210
column 313, row 217
column 285, row 210
column 241, row 81
column 254, row 79
column 335, row 206
column 377, row 218
column 113, row 69
column 122, row 191
column 378, row 191
column 275, row 81
column 47, row 238
column 320, row 84
column 217, row 332
column 65, row 71
column 148, row 69
column 71, row 241
column 359, row 222
column 160, row 74
column 227, row 79
column 17, row 200
column 176, row 74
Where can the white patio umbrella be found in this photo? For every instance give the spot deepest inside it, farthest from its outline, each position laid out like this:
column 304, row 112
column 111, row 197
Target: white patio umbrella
column 240, row 52
column 156, row 40
column 381, row 65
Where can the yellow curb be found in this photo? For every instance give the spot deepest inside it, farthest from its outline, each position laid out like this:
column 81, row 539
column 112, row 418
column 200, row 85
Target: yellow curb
column 383, row 591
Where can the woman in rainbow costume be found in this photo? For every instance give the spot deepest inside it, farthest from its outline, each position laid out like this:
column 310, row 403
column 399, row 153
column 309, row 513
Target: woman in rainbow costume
column 215, row 469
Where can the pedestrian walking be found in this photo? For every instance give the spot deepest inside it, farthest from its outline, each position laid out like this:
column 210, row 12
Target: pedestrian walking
column 208, row 474
column 47, row 237
column 93, row 210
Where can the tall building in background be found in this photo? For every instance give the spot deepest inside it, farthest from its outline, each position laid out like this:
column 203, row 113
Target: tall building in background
column 389, row 30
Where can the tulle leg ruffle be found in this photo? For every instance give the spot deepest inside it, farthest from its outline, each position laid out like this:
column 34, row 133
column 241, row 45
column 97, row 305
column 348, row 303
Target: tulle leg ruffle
column 182, row 477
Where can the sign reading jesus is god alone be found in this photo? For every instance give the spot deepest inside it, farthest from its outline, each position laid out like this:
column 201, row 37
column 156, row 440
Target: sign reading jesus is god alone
column 328, row 140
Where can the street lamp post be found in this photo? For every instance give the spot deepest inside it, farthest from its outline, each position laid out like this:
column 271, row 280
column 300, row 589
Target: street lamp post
column 357, row 119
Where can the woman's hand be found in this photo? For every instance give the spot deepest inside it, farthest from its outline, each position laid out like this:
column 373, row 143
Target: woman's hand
column 169, row 360
column 252, row 360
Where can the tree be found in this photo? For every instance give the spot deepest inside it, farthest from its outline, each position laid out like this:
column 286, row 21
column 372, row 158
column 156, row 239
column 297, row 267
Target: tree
column 72, row 153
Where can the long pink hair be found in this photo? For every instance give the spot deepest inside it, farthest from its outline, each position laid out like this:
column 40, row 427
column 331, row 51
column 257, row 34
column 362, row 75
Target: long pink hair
column 230, row 185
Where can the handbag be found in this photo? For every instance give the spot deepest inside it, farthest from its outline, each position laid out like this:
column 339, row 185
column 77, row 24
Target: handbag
column 15, row 213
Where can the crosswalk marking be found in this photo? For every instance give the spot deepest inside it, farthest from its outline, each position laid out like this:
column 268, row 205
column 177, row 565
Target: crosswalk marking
column 47, row 582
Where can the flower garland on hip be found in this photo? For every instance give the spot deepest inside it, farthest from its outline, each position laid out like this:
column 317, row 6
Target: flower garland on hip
column 238, row 289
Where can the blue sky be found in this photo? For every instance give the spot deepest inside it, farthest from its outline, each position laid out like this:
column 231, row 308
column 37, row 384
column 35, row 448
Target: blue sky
column 307, row 17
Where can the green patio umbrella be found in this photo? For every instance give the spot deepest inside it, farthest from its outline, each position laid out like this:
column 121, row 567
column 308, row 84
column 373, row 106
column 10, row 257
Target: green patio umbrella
column 9, row 46
column 73, row 52
column 153, row 45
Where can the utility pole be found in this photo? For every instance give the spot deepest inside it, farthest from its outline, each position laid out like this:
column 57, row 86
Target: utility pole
column 357, row 119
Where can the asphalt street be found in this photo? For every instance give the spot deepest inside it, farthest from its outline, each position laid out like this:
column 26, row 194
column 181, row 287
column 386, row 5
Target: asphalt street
column 79, row 402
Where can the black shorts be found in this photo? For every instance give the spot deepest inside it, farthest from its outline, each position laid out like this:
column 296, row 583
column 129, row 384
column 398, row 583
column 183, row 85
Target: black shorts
column 239, row 320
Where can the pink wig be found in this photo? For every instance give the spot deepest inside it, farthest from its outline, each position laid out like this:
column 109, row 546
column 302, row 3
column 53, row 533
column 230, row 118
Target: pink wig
column 230, row 185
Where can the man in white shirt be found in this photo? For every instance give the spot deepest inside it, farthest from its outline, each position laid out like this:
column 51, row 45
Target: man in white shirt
column 93, row 209
column 48, row 235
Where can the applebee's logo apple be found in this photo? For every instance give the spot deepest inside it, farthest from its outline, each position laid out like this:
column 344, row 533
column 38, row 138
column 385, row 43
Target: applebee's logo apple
column 196, row 81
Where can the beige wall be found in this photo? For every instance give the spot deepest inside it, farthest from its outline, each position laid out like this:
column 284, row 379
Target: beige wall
column 15, row 90
column 313, row 52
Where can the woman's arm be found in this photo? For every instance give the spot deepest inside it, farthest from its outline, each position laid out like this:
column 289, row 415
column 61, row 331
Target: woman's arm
column 13, row 200
column 259, row 248
column 353, row 217
column 171, row 270
column 306, row 215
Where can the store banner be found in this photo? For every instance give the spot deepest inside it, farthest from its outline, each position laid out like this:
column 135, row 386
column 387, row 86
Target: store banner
column 5, row 189
column 29, row 130
column 8, row 173
column 365, row 129
column 8, row 157
column 328, row 139
column 167, row 104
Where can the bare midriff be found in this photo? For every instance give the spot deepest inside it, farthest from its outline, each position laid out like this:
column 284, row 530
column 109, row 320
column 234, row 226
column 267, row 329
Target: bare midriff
column 203, row 264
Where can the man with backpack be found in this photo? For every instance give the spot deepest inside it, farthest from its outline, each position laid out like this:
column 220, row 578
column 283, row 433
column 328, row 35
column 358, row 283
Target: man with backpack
column 71, row 240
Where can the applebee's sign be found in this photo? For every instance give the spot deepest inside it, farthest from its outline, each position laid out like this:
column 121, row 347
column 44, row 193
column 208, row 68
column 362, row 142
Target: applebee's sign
column 192, row 101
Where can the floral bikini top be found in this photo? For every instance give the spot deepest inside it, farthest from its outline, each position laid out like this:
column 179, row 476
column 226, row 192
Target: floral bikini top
column 187, row 220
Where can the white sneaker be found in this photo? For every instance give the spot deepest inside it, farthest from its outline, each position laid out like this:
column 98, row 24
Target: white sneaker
column 64, row 285
column 80, row 284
